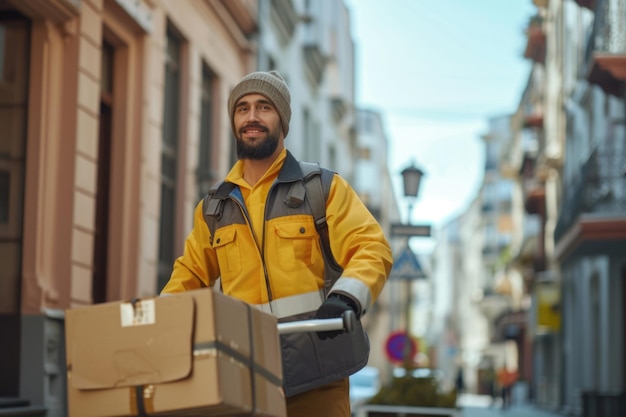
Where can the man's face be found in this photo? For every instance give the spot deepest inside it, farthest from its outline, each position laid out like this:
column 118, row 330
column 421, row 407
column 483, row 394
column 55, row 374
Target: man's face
column 257, row 126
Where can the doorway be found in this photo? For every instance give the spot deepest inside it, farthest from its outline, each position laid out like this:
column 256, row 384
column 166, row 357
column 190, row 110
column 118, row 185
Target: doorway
column 14, row 69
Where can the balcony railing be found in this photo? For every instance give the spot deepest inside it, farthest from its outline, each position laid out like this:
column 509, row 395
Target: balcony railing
column 605, row 53
column 610, row 30
column 598, row 404
column 599, row 189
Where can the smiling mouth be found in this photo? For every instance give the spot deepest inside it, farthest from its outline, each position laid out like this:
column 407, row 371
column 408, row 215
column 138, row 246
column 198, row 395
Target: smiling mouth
column 253, row 132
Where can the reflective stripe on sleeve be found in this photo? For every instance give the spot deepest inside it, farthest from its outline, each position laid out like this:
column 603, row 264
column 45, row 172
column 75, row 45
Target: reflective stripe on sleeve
column 295, row 304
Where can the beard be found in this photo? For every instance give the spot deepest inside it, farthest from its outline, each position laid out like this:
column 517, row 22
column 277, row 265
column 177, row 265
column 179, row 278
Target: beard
column 260, row 150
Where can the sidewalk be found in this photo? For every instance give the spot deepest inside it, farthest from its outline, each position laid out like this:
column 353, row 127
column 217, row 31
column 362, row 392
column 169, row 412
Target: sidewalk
column 480, row 406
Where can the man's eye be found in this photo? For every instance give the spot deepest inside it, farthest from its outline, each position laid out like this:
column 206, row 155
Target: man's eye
column 242, row 109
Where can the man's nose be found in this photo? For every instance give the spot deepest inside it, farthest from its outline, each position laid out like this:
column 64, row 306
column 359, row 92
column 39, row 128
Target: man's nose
column 253, row 114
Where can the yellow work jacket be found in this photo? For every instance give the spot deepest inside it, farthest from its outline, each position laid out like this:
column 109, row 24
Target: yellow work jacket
column 275, row 252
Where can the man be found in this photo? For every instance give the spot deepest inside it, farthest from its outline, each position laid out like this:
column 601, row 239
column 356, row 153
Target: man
column 267, row 251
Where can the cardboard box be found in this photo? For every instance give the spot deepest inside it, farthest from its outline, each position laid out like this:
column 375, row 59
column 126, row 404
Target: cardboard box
column 199, row 353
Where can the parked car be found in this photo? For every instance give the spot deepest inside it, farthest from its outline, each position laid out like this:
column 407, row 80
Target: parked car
column 419, row 373
column 364, row 384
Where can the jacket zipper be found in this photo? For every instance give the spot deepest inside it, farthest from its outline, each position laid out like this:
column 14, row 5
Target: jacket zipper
column 261, row 250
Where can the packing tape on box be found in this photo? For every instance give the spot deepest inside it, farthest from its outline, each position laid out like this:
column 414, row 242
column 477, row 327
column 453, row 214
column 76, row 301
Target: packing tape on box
column 211, row 349
column 142, row 400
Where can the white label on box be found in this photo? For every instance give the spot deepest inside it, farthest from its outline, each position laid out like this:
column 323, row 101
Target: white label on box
column 137, row 314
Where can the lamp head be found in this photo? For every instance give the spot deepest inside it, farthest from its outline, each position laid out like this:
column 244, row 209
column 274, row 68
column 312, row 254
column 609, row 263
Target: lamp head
column 411, row 178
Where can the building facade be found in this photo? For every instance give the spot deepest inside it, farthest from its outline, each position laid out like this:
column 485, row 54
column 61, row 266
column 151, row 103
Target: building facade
column 113, row 125
column 567, row 161
column 590, row 232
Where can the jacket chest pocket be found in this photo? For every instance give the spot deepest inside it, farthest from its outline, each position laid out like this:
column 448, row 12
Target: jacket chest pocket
column 228, row 252
column 296, row 245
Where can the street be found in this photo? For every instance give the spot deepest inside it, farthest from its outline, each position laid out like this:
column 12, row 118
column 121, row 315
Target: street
column 480, row 406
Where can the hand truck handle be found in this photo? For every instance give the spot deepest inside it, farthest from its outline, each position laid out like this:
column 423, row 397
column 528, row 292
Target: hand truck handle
column 346, row 322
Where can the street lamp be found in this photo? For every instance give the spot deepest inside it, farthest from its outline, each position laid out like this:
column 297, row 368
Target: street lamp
column 411, row 179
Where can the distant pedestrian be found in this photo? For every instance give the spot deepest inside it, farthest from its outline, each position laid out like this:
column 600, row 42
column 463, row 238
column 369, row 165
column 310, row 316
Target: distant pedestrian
column 490, row 380
column 506, row 380
column 459, row 382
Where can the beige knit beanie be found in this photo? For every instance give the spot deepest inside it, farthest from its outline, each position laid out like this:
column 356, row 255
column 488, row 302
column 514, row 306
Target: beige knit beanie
column 269, row 84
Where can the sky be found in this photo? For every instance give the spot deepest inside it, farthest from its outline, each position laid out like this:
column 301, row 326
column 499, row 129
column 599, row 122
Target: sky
column 437, row 71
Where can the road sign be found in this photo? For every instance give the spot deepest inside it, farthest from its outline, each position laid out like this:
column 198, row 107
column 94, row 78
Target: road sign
column 396, row 347
column 408, row 230
column 406, row 266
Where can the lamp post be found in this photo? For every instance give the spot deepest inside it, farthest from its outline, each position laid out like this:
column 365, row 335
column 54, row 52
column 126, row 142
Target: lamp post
column 411, row 179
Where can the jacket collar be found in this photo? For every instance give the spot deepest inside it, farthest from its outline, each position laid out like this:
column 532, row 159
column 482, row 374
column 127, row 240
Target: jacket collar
column 291, row 170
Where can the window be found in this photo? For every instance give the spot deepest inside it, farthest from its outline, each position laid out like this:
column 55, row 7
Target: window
column 169, row 157
column 205, row 175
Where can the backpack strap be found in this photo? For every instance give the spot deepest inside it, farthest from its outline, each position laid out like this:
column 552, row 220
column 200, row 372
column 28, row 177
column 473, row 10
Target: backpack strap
column 213, row 207
column 317, row 182
column 213, row 204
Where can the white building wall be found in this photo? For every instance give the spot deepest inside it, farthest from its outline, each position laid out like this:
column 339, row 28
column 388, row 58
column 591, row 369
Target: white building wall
column 338, row 87
column 314, row 134
column 474, row 328
column 371, row 157
column 445, row 274
column 373, row 183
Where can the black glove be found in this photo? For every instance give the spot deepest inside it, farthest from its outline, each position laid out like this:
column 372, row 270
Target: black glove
column 334, row 306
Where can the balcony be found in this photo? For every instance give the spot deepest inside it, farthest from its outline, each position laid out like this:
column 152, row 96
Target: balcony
column 533, row 120
column 58, row 11
column 606, row 50
column 534, row 197
column 536, row 44
column 593, row 203
column 589, row 4
column 244, row 13
column 339, row 108
column 285, row 18
column 315, row 62
column 533, row 189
